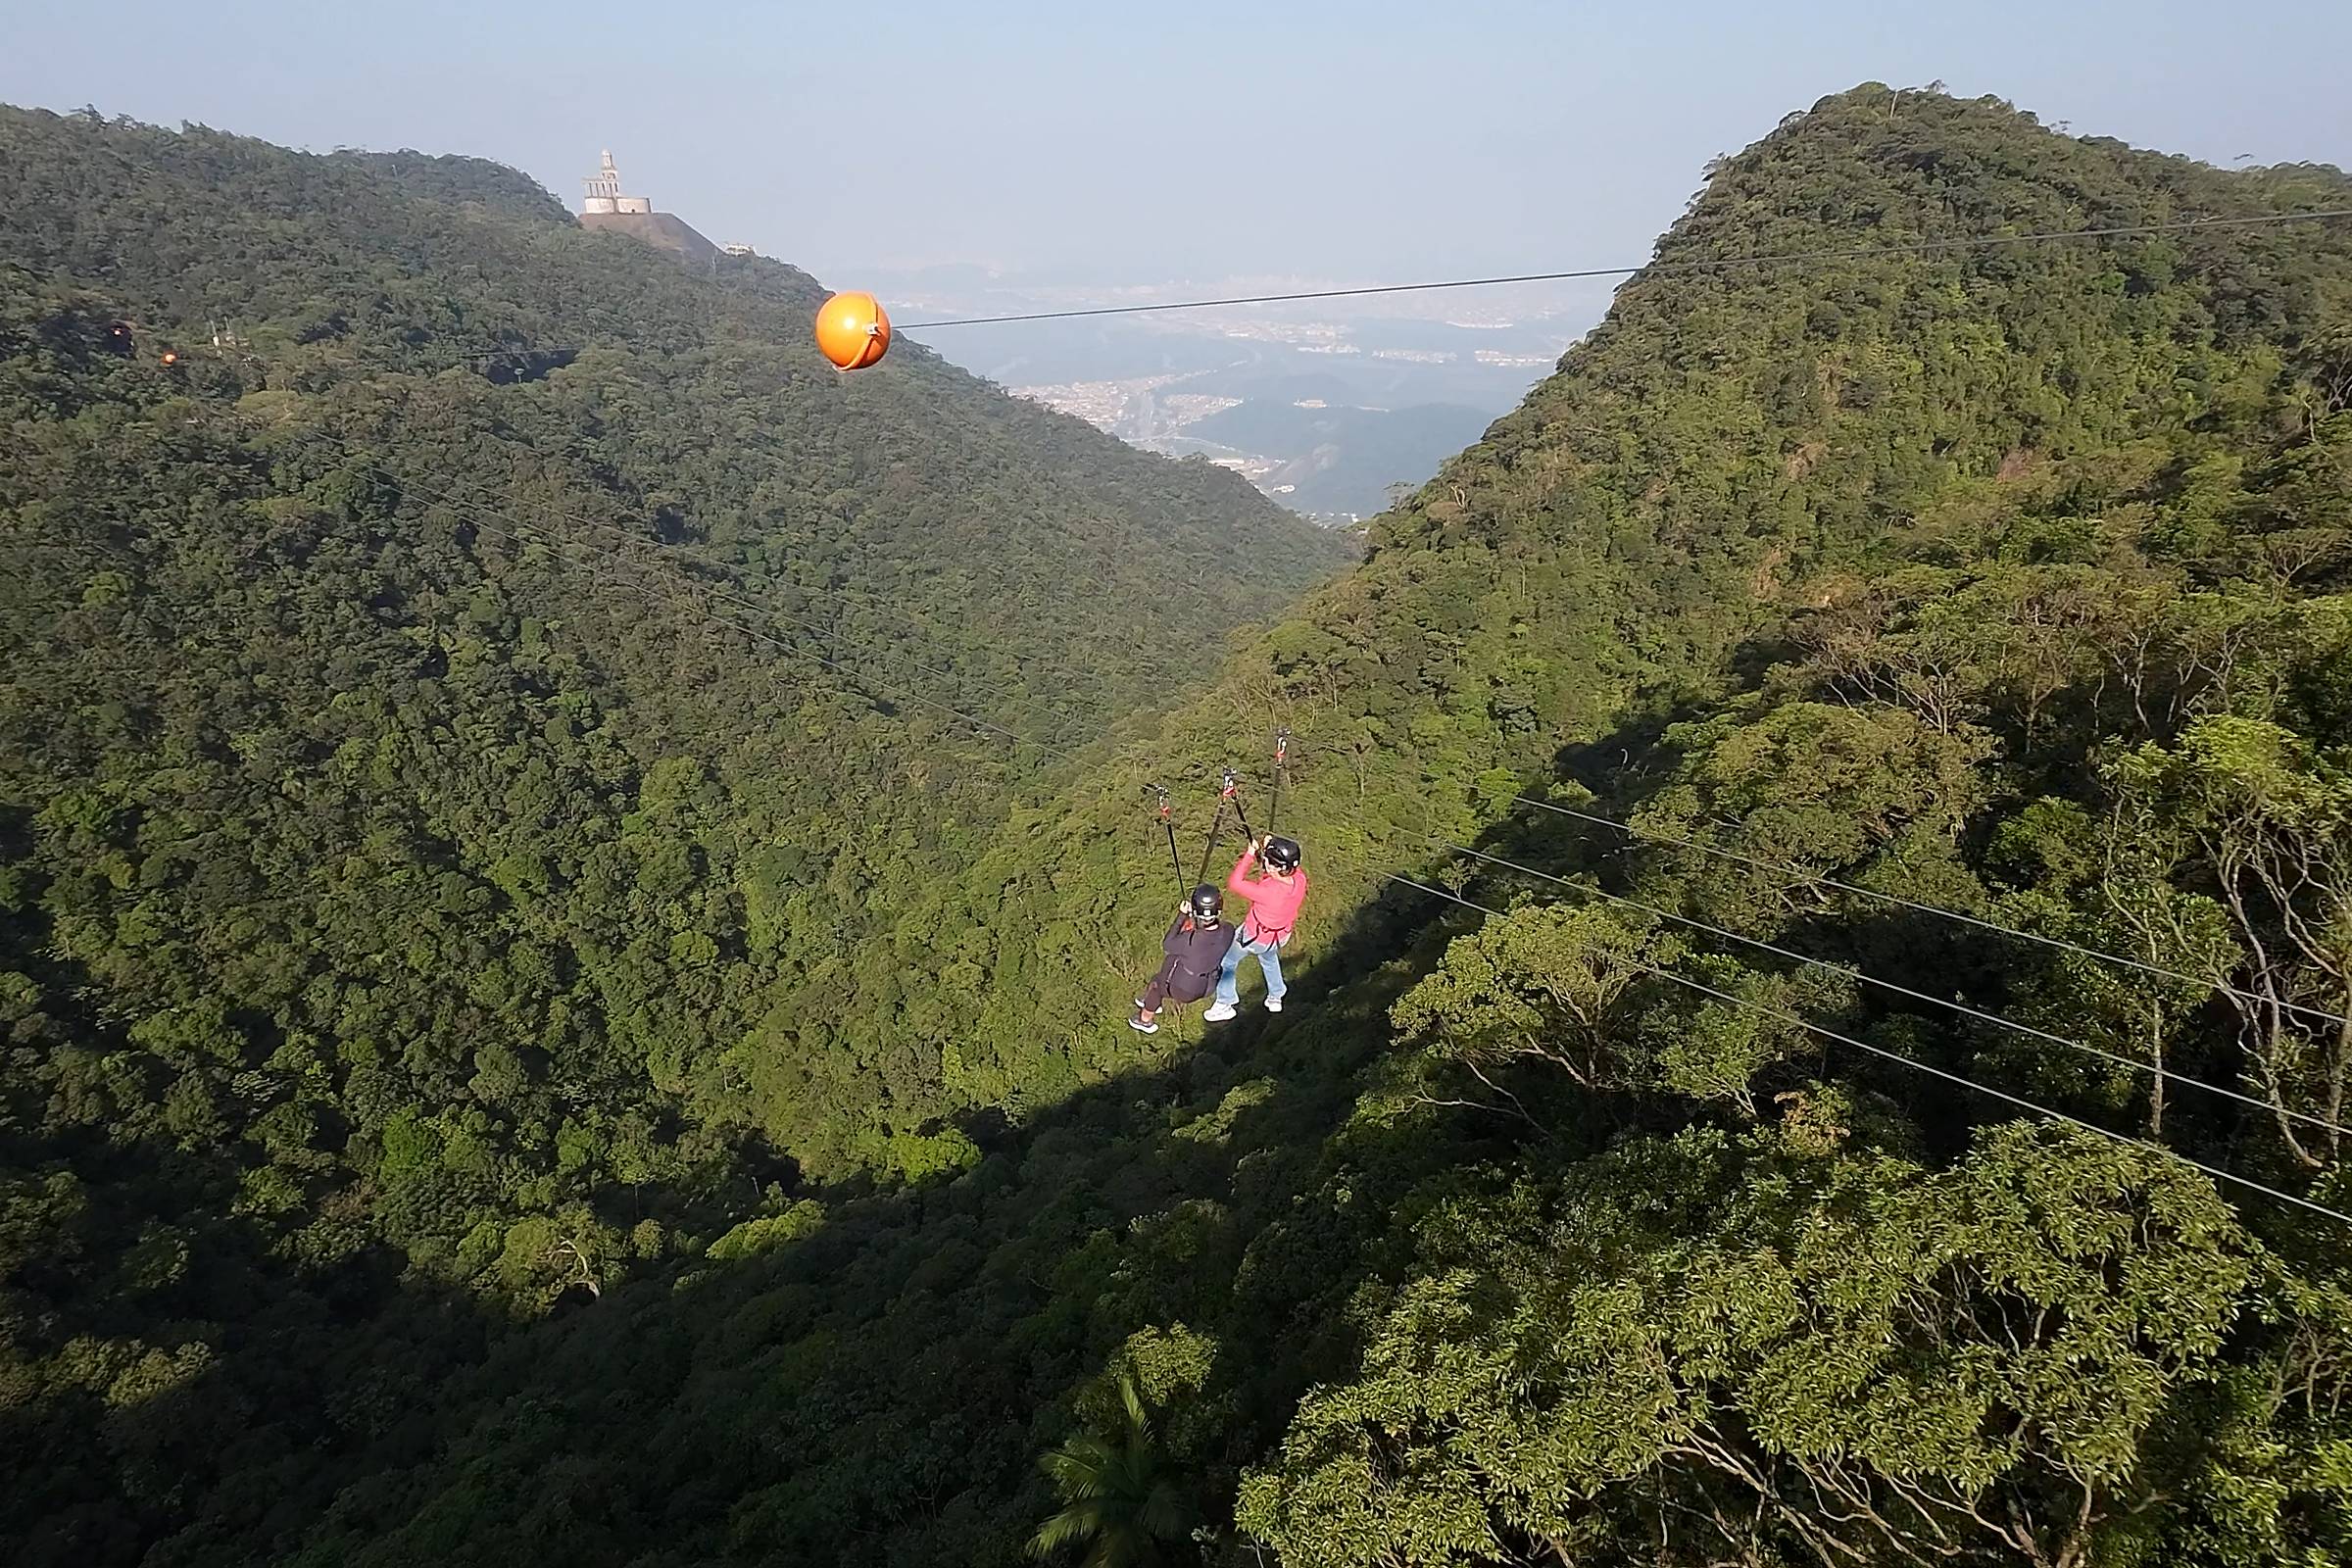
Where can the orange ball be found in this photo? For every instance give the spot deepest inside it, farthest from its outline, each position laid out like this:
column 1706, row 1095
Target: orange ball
column 851, row 330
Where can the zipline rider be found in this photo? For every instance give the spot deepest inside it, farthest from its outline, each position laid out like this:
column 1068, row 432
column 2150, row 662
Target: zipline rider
column 1274, row 898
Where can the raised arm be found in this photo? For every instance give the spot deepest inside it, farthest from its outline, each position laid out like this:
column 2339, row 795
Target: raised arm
column 1241, row 869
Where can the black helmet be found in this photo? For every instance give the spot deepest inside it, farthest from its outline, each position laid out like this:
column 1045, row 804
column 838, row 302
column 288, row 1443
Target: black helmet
column 1283, row 854
column 1207, row 904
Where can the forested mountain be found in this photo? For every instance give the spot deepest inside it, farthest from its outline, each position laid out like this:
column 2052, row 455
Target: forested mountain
column 463, row 676
column 2010, row 579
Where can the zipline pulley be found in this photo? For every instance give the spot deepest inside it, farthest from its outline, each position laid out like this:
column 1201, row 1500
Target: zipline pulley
column 1233, row 793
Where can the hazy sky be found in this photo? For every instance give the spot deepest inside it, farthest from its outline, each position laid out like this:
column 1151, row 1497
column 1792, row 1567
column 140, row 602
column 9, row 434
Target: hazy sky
column 1112, row 141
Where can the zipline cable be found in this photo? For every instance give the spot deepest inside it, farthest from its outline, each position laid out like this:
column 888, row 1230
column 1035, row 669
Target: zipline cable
column 1961, row 1079
column 1706, row 265
column 1857, row 973
column 1575, row 274
column 1935, row 910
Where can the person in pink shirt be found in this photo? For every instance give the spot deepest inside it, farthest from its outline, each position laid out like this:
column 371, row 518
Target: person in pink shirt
column 1274, row 897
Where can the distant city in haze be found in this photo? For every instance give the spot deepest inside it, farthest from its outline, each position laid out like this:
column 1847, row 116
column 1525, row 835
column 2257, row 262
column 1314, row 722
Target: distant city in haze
column 1325, row 405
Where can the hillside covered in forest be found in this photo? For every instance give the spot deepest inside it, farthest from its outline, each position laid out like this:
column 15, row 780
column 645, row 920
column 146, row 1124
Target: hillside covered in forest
column 1959, row 621
column 462, row 675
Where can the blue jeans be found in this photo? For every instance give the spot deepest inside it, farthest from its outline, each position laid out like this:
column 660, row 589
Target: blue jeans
column 1269, row 962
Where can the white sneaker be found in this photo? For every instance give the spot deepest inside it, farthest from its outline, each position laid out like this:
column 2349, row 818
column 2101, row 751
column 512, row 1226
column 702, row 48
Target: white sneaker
column 1273, row 1003
column 1217, row 1013
column 1143, row 1028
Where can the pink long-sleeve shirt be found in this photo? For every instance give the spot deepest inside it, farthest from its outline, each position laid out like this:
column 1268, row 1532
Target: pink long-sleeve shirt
column 1273, row 900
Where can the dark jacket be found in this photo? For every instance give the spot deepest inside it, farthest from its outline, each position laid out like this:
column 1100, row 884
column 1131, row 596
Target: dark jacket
column 1195, row 953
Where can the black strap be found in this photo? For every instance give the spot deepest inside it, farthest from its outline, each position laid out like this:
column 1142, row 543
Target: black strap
column 1282, row 755
column 1167, row 822
column 1233, row 793
column 1210, row 847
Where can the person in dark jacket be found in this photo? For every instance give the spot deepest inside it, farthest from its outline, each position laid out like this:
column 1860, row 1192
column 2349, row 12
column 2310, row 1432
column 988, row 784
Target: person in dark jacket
column 1194, row 948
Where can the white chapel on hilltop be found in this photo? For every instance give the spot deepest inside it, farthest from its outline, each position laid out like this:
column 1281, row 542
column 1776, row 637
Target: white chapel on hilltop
column 606, row 208
column 604, row 193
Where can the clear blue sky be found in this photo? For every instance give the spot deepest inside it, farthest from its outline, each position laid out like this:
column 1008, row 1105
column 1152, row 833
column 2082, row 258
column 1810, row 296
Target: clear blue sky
column 1193, row 139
